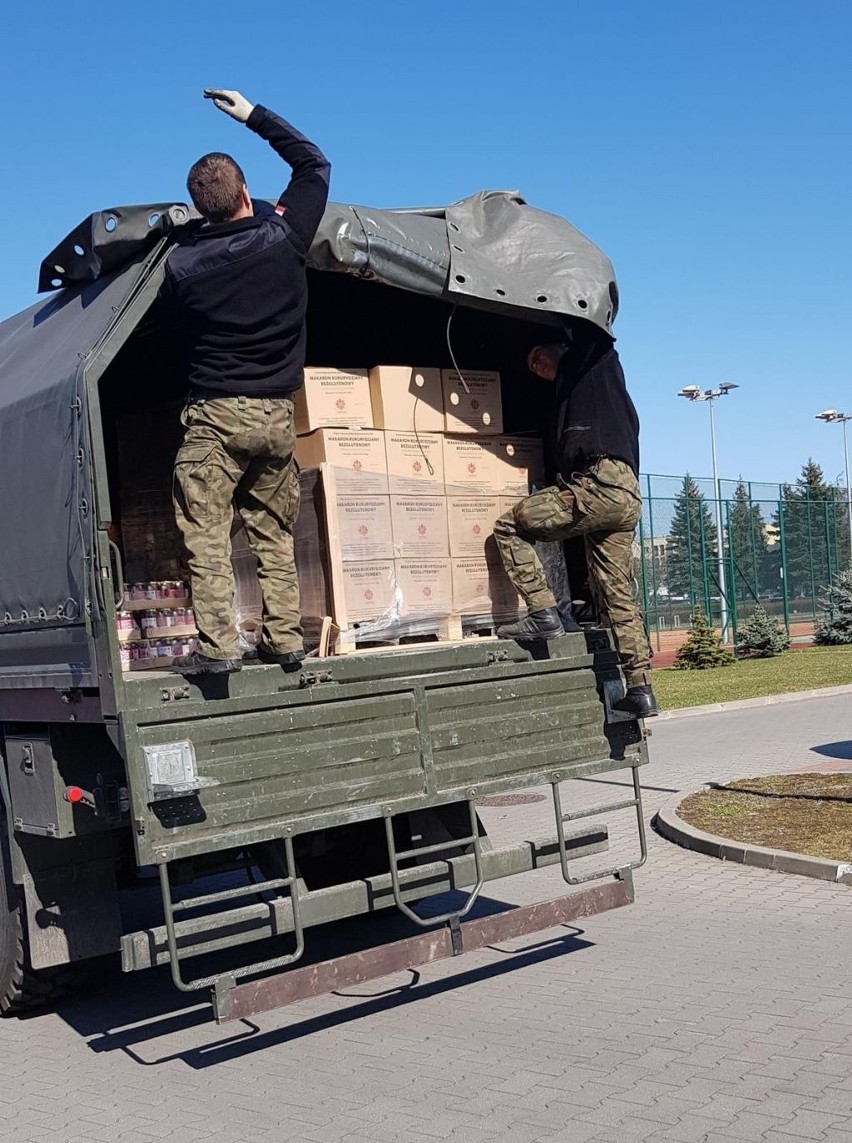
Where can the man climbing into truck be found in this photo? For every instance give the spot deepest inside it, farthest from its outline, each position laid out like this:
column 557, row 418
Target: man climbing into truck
column 596, row 446
column 235, row 290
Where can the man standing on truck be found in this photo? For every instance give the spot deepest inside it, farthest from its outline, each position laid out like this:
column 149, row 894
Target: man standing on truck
column 596, row 446
column 236, row 291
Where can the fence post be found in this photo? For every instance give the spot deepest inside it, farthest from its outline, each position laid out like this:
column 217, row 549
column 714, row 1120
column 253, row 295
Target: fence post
column 827, row 546
column 811, row 555
column 732, row 595
column 783, row 564
column 754, row 568
column 708, row 607
column 654, row 564
column 646, row 604
column 692, row 594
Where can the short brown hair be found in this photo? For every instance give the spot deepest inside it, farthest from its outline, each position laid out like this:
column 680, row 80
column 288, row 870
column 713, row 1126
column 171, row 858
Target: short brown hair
column 215, row 184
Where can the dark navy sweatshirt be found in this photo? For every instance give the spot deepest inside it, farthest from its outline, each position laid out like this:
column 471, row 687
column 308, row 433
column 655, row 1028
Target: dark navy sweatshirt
column 236, row 292
column 594, row 415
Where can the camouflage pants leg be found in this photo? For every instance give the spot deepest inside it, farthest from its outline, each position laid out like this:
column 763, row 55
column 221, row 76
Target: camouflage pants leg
column 610, row 560
column 603, row 506
column 239, row 450
column 268, row 501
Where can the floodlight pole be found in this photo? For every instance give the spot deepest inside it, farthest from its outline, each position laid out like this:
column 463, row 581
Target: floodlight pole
column 694, row 393
column 831, row 416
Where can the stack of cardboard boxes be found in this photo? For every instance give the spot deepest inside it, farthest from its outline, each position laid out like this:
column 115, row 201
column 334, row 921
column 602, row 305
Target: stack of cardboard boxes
column 416, row 469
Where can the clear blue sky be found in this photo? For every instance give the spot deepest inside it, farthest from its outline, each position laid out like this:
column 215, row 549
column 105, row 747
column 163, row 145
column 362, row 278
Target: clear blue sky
column 705, row 147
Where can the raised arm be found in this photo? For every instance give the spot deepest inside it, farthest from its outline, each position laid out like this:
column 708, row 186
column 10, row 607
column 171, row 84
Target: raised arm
column 303, row 201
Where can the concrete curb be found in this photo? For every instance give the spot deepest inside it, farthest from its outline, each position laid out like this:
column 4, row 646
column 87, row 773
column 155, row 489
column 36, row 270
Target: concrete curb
column 745, row 704
column 672, row 827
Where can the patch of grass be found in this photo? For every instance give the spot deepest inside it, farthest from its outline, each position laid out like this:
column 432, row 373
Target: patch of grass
column 799, row 670
column 802, row 813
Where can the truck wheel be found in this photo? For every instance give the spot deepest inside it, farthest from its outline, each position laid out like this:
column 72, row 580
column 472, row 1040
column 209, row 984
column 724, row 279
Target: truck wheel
column 21, row 987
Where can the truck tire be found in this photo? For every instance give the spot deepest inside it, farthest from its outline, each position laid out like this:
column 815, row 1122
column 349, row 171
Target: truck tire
column 22, row 989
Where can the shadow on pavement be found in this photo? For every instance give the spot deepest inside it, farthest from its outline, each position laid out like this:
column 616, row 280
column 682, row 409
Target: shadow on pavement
column 119, row 1013
column 835, row 750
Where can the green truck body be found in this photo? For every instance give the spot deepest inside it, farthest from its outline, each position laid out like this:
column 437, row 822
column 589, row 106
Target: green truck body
column 342, row 789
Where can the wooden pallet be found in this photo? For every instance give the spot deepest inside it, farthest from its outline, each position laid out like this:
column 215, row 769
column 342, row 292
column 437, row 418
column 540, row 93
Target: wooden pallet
column 444, row 629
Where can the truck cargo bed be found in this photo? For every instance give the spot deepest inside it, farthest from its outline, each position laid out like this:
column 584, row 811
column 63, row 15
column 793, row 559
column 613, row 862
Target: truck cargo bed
column 345, row 740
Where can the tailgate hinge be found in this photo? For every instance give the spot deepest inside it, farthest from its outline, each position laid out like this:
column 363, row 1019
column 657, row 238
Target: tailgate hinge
column 313, row 678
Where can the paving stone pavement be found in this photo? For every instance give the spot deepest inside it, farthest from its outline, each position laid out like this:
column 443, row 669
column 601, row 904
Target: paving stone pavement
column 716, row 1008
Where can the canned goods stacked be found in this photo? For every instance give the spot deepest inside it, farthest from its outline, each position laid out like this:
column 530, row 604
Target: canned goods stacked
column 153, row 651
column 156, row 624
column 155, row 590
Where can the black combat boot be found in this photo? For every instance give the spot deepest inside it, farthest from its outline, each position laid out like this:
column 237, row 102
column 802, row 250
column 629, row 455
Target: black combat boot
column 638, row 701
column 289, row 660
column 544, row 624
column 197, row 664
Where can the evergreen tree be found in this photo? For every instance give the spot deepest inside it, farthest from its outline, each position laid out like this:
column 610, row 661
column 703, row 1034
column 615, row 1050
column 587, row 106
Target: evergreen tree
column 762, row 636
column 691, row 542
column 836, row 625
column 816, row 532
column 749, row 545
column 703, row 649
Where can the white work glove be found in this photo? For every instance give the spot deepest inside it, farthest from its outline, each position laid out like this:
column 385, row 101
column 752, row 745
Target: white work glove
column 231, row 102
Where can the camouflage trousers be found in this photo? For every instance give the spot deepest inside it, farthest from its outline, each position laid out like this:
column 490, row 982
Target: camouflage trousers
column 603, row 506
column 238, row 452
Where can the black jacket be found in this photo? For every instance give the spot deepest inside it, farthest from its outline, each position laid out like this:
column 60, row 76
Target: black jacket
column 595, row 416
column 236, row 291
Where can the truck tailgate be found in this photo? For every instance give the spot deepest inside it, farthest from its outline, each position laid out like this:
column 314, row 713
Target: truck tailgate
column 354, row 738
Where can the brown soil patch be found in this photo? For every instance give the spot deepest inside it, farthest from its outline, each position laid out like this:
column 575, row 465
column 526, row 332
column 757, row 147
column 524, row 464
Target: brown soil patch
column 803, row 813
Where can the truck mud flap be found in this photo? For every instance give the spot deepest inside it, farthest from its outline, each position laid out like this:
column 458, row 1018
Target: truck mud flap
column 238, row 1001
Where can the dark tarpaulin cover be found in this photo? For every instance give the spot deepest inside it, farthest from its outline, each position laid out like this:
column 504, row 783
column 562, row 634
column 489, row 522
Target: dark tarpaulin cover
column 42, row 419
column 491, row 247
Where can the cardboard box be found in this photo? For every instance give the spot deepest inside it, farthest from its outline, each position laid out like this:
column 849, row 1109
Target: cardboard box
column 369, row 588
column 481, row 587
column 359, row 528
column 415, row 463
column 471, row 522
column 333, row 398
column 407, row 399
column 473, row 585
column 478, row 411
column 356, row 455
column 519, row 465
column 419, row 525
column 426, row 587
column 470, row 465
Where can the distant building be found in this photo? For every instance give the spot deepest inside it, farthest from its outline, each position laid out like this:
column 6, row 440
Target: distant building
column 655, row 553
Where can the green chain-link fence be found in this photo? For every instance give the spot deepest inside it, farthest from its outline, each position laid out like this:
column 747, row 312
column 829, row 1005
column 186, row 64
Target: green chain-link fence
column 780, row 546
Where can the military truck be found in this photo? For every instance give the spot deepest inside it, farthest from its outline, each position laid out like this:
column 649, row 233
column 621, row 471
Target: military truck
column 266, row 804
